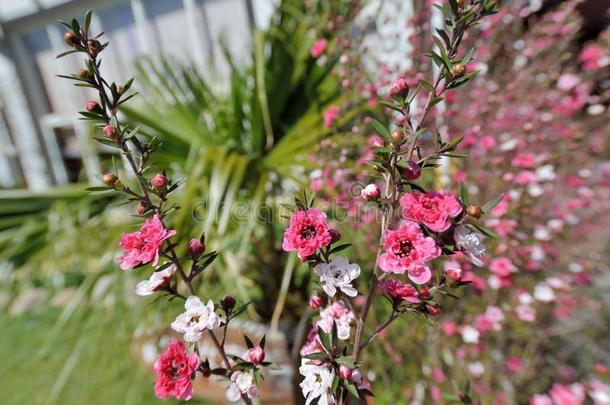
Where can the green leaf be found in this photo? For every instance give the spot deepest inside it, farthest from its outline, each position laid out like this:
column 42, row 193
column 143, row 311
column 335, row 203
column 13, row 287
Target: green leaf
column 427, row 85
column 484, row 230
column 97, row 188
column 351, row 388
column 87, row 20
column 248, row 342
column 463, row 193
column 75, row 26
column 340, row 248
column 492, row 203
column 71, row 51
column 435, row 101
column 382, row 129
column 468, row 57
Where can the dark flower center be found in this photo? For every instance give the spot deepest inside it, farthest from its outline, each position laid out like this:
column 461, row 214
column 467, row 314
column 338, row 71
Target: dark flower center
column 428, row 204
column 308, row 232
column 405, row 248
column 175, row 371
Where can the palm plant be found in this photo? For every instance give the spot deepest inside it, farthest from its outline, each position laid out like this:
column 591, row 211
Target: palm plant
column 243, row 147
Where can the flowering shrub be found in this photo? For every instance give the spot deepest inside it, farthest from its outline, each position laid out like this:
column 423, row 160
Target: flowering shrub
column 534, row 122
column 419, row 229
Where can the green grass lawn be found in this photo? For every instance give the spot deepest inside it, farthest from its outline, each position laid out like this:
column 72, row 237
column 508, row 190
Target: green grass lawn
column 87, row 361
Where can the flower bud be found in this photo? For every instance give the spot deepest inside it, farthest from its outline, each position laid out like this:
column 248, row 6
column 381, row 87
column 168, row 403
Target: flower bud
column 228, row 303
column 461, row 3
column 400, row 88
column 109, row 179
column 371, row 192
column 119, row 89
column 315, row 302
column 335, row 235
column 345, row 373
column 454, row 274
column 111, row 132
column 474, row 211
column 71, row 39
column 411, row 172
column 424, row 294
column 159, row 181
column 94, row 47
column 140, row 208
column 206, row 372
column 397, row 137
column 84, row 74
column 432, row 310
column 458, row 70
column 256, row 355
column 196, row 247
column 92, row 106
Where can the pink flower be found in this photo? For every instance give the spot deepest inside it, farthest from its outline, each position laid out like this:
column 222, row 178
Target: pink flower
column 256, row 355
column 407, row 249
column 318, row 48
column 592, row 57
column 339, row 314
column 400, row 88
column 540, row 399
column 308, row 231
column 143, row 246
column 567, row 394
column 330, row 115
column 433, row 209
column 173, row 369
column 399, row 291
column 502, row 267
column 525, row 313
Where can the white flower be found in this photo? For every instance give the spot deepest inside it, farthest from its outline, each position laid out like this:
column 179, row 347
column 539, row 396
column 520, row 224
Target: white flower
column 338, row 274
column 476, row 369
column 470, row 335
column 545, row 173
column 242, row 382
column 196, row 319
column 371, row 192
column 156, row 280
column 544, row 293
column 470, row 243
column 317, row 382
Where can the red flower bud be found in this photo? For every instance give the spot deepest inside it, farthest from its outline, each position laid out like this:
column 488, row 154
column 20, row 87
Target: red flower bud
column 454, row 274
column 140, row 208
column 196, row 247
column 400, row 88
column 315, row 302
column 111, row 132
column 411, row 172
column 91, row 106
column 256, row 355
column 345, row 373
column 159, row 181
column 228, row 303
column 335, row 235
column 432, row 310
column 424, row 294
